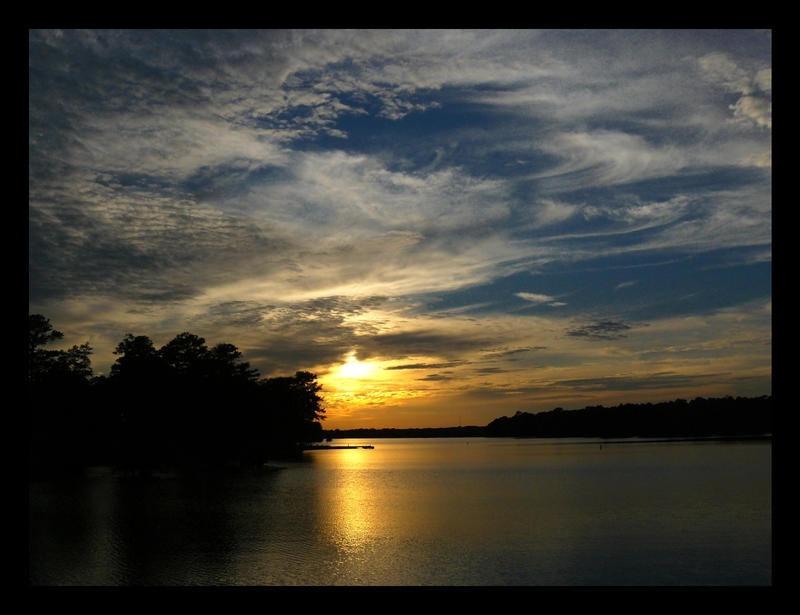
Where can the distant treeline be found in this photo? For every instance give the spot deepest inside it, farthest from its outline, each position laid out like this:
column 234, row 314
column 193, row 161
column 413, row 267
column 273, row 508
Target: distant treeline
column 700, row 417
column 182, row 405
column 414, row 432
column 725, row 416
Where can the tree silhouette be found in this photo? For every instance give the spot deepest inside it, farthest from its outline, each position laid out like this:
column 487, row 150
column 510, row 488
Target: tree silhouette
column 45, row 366
column 58, row 396
column 719, row 417
column 294, row 409
column 40, row 332
column 186, row 354
column 224, row 364
column 192, row 405
column 138, row 360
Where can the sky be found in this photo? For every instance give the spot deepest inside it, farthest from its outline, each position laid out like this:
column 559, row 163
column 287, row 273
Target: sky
column 445, row 226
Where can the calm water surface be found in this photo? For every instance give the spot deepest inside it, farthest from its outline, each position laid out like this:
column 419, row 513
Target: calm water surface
column 446, row 511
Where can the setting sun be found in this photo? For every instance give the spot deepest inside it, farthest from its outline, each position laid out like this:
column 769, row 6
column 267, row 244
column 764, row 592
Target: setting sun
column 355, row 368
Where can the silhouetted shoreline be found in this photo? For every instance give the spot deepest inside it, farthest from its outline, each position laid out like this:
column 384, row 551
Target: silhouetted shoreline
column 701, row 418
column 185, row 407
column 193, row 408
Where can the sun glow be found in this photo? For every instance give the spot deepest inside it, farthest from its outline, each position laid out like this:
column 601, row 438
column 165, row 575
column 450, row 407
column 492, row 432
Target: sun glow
column 354, row 368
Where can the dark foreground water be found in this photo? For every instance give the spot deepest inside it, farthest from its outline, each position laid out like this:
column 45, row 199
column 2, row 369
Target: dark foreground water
column 424, row 512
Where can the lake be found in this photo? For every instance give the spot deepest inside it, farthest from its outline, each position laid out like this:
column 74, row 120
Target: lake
column 444, row 511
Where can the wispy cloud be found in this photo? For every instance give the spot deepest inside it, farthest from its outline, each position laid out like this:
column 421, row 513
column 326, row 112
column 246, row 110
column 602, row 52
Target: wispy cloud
column 601, row 330
column 537, row 298
column 422, row 366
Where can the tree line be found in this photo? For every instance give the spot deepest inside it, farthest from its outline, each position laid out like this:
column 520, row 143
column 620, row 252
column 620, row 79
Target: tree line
column 184, row 404
column 700, row 417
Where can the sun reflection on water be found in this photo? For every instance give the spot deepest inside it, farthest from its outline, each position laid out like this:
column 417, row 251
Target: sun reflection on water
column 351, row 507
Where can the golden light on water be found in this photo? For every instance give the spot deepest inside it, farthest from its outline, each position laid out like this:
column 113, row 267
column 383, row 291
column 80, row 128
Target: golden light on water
column 351, row 511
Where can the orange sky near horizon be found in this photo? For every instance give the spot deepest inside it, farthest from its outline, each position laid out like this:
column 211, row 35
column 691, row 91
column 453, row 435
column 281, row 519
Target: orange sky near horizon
column 376, row 393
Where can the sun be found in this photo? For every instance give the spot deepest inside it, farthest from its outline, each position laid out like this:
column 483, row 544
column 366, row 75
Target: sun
column 354, row 368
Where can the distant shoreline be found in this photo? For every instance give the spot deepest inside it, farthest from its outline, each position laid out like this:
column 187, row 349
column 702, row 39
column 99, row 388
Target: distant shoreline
column 605, row 440
column 699, row 419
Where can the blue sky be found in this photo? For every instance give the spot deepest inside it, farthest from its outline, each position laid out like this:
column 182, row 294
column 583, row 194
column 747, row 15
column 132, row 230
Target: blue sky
column 446, row 226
